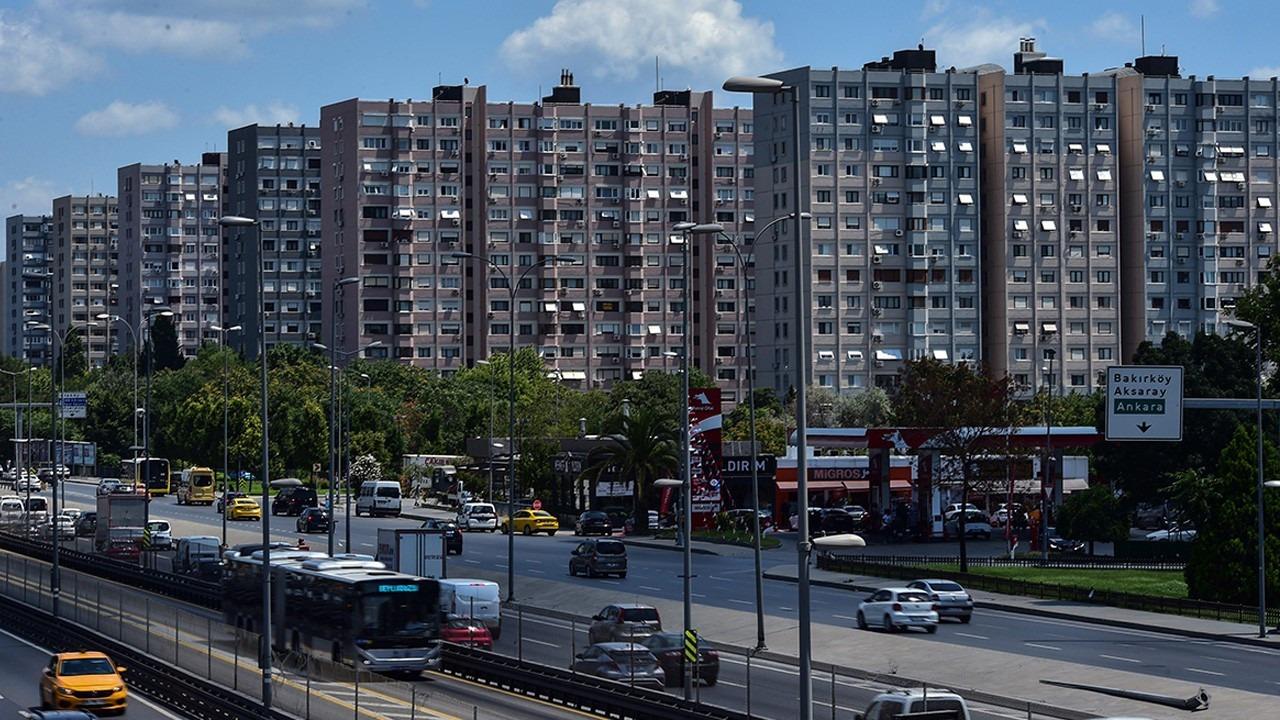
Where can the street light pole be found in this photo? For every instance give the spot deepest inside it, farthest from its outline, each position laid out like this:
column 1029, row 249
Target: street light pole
column 333, row 397
column 1046, row 491
column 226, row 400
column 1262, row 484
column 488, row 453
column 133, row 361
column 264, row 659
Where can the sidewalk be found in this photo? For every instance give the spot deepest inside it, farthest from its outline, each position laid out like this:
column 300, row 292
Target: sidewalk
column 1242, row 633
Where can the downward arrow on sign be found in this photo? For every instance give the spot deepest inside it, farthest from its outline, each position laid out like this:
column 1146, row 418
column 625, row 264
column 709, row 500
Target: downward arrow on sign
column 1144, row 426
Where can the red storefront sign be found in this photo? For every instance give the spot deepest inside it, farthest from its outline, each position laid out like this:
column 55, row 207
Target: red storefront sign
column 705, row 422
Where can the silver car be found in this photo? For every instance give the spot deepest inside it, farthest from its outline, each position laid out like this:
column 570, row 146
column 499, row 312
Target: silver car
column 629, row 663
column 952, row 600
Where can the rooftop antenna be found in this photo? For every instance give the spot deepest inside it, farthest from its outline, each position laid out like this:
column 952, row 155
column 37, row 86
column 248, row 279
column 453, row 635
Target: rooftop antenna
column 1142, row 20
column 657, row 75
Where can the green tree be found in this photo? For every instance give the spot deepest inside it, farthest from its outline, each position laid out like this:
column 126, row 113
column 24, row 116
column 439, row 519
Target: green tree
column 1094, row 515
column 164, row 337
column 969, row 411
column 643, row 450
column 1223, row 508
column 71, row 354
column 1069, row 409
column 869, row 408
column 771, row 430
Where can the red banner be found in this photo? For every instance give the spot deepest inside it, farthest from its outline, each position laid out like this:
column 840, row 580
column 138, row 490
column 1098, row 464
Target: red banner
column 705, row 422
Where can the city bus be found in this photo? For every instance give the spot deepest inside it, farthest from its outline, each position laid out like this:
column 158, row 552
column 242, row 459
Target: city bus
column 146, row 472
column 348, row 609
column 195, row 486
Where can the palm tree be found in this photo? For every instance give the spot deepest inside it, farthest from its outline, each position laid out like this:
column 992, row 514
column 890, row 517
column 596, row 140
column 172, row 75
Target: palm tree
column 644, row 449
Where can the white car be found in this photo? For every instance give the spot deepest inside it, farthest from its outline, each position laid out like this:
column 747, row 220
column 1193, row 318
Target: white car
column 1177, row 533
column 955, row 507
column 478, row 516
column 900, row 608
column 28, row 482
column 908, row 702
column 161, row 535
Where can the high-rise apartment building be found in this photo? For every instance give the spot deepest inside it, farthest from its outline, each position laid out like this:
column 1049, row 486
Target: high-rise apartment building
column 27, row 293
column 889, row 159
column 273, row 175
column 1051, row 206
column 84, row 262
column 408, row 184
column 170, row 245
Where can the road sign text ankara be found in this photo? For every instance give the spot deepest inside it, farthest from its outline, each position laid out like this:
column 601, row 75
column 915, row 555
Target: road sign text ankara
column 1144, row 402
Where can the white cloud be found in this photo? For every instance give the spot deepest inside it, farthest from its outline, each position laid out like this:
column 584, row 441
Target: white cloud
column 36, row 60
column 934, row 8
column 1264, row 72
column 708, row 40
column 273, row 113
column 984, row 39
column 157, row 33
column 1204, row 8
column 1114, row 26
column 29, row 196
column 122, row 118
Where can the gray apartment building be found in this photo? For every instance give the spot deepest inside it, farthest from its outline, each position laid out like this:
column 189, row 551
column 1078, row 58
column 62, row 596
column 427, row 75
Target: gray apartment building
column 409, row 183
column 85, row 260
column 170, row 245
column 1051, row 223
column 273, row 175
column 27, row 293
column 890, row 158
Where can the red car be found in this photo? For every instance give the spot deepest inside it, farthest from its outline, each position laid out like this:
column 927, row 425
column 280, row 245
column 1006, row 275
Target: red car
column 464, row 631
column 124, row 549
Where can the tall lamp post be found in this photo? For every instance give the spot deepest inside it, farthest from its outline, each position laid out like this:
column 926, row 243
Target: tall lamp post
column 336, row 415
column 226, row 401
column 512, row 289
column 333, row 395
column 488, row 453
column 16, row 434
column 1046, row 490
column 264, row 652
column 771, row 86
column 686, row 230
column 1262, row 527
column 146, row 409
column 134, row 362
column 727, row 240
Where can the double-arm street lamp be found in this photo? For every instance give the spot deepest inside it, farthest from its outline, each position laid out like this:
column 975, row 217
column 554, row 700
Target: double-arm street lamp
column 774, row 87
column 512, row 289
column 226, row 401
column 335, row 431
column 264, row 652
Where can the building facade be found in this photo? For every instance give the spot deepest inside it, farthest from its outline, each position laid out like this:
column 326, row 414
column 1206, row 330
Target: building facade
column 28, row 297
column 273, row 175
column 890, row 158
column 85, row 261
column 170, row 246
column 572, row 202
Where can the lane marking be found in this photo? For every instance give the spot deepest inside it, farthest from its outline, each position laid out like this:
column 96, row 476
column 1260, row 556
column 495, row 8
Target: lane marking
column 651, row 588
column 719, row 579
column 1205, row 672
column 842, row 617
column 978, row 637
column 722, row 681
column 472, row 562
column 1218, row 659
column 1044, row 647
column 1121, row 659
column 784, row 608
column 740, row 602
column 537, row 572
column 541, row 642
column 697, row 595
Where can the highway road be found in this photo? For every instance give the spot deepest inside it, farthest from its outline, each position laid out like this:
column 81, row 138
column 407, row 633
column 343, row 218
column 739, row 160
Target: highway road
column 20, row 677
column 725, row 582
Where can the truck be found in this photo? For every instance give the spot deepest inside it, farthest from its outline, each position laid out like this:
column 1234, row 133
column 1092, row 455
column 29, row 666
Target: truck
column 121, row 519
column 412, row 551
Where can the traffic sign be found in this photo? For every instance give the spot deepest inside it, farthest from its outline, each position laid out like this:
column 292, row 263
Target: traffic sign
column 537, row 504
column 73, row 405
column 691, row 645
column 1144, row 402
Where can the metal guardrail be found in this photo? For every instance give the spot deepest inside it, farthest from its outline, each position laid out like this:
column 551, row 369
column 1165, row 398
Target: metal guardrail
column 178, row 587
column 1066, row 562
column 189, row 696
column 575, row 690
column 1009, row 586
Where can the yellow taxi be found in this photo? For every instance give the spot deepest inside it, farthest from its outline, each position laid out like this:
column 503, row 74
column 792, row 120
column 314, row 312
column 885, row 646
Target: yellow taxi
column 83, row 681
column 528, row 522
column 244, row 508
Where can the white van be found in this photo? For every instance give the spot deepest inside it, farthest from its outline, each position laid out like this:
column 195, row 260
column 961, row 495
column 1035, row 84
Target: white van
column 478, row 516
column 476, row 599
column 379, row 498
column 11, row 510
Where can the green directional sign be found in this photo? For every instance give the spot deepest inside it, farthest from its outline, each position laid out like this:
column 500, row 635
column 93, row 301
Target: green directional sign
column 1144, row 402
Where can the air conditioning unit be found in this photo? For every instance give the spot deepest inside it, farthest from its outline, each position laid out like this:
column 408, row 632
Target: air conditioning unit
column 876, row 312
column 456, row 222
column 879, row 363
column 563, row 292
column 597, row 292
column 897, row 233
column 876, row 259
column 1180, row 183
column 1239, row 186
column 876, row 129
column 1239, row 263
column 1181, row 261
column 877, row 285
column 617, row 224
column 492, row 314
column 875, row 181
column 1151, row 108
column 877, row 338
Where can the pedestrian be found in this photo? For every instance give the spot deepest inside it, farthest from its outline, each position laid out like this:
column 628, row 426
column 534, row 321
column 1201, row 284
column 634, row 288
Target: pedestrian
column 302, row 544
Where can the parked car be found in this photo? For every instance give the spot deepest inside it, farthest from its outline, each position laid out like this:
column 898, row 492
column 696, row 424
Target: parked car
column 830, row 521
column 741, row 517
column 624, row 622
column 477, row 516
column 452, row 535
column 87, row 525
column 595, row 557
column 621, row 661
column 912, row 702
column 529, row 522
column 955, row 507
column 857, row 512
column 1064, row 545
column 593, row 522
column 896, row 609
column 1181, row 532
column 313, row 520
column 468, row 632
column 294, row 500
column 227, row 497
column 952, row 599
column 244, row 508
column 161, row 534
column 1004, row 513
column 975, row 524
column 668, row 648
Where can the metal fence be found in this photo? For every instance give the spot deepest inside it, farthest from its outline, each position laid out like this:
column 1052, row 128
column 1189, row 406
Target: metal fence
column 861, row 565
column 1066, row 562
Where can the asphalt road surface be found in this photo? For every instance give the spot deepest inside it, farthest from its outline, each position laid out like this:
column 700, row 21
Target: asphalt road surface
column 726, row 582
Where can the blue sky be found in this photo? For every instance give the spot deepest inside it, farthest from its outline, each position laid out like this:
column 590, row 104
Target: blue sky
column 89, row 85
